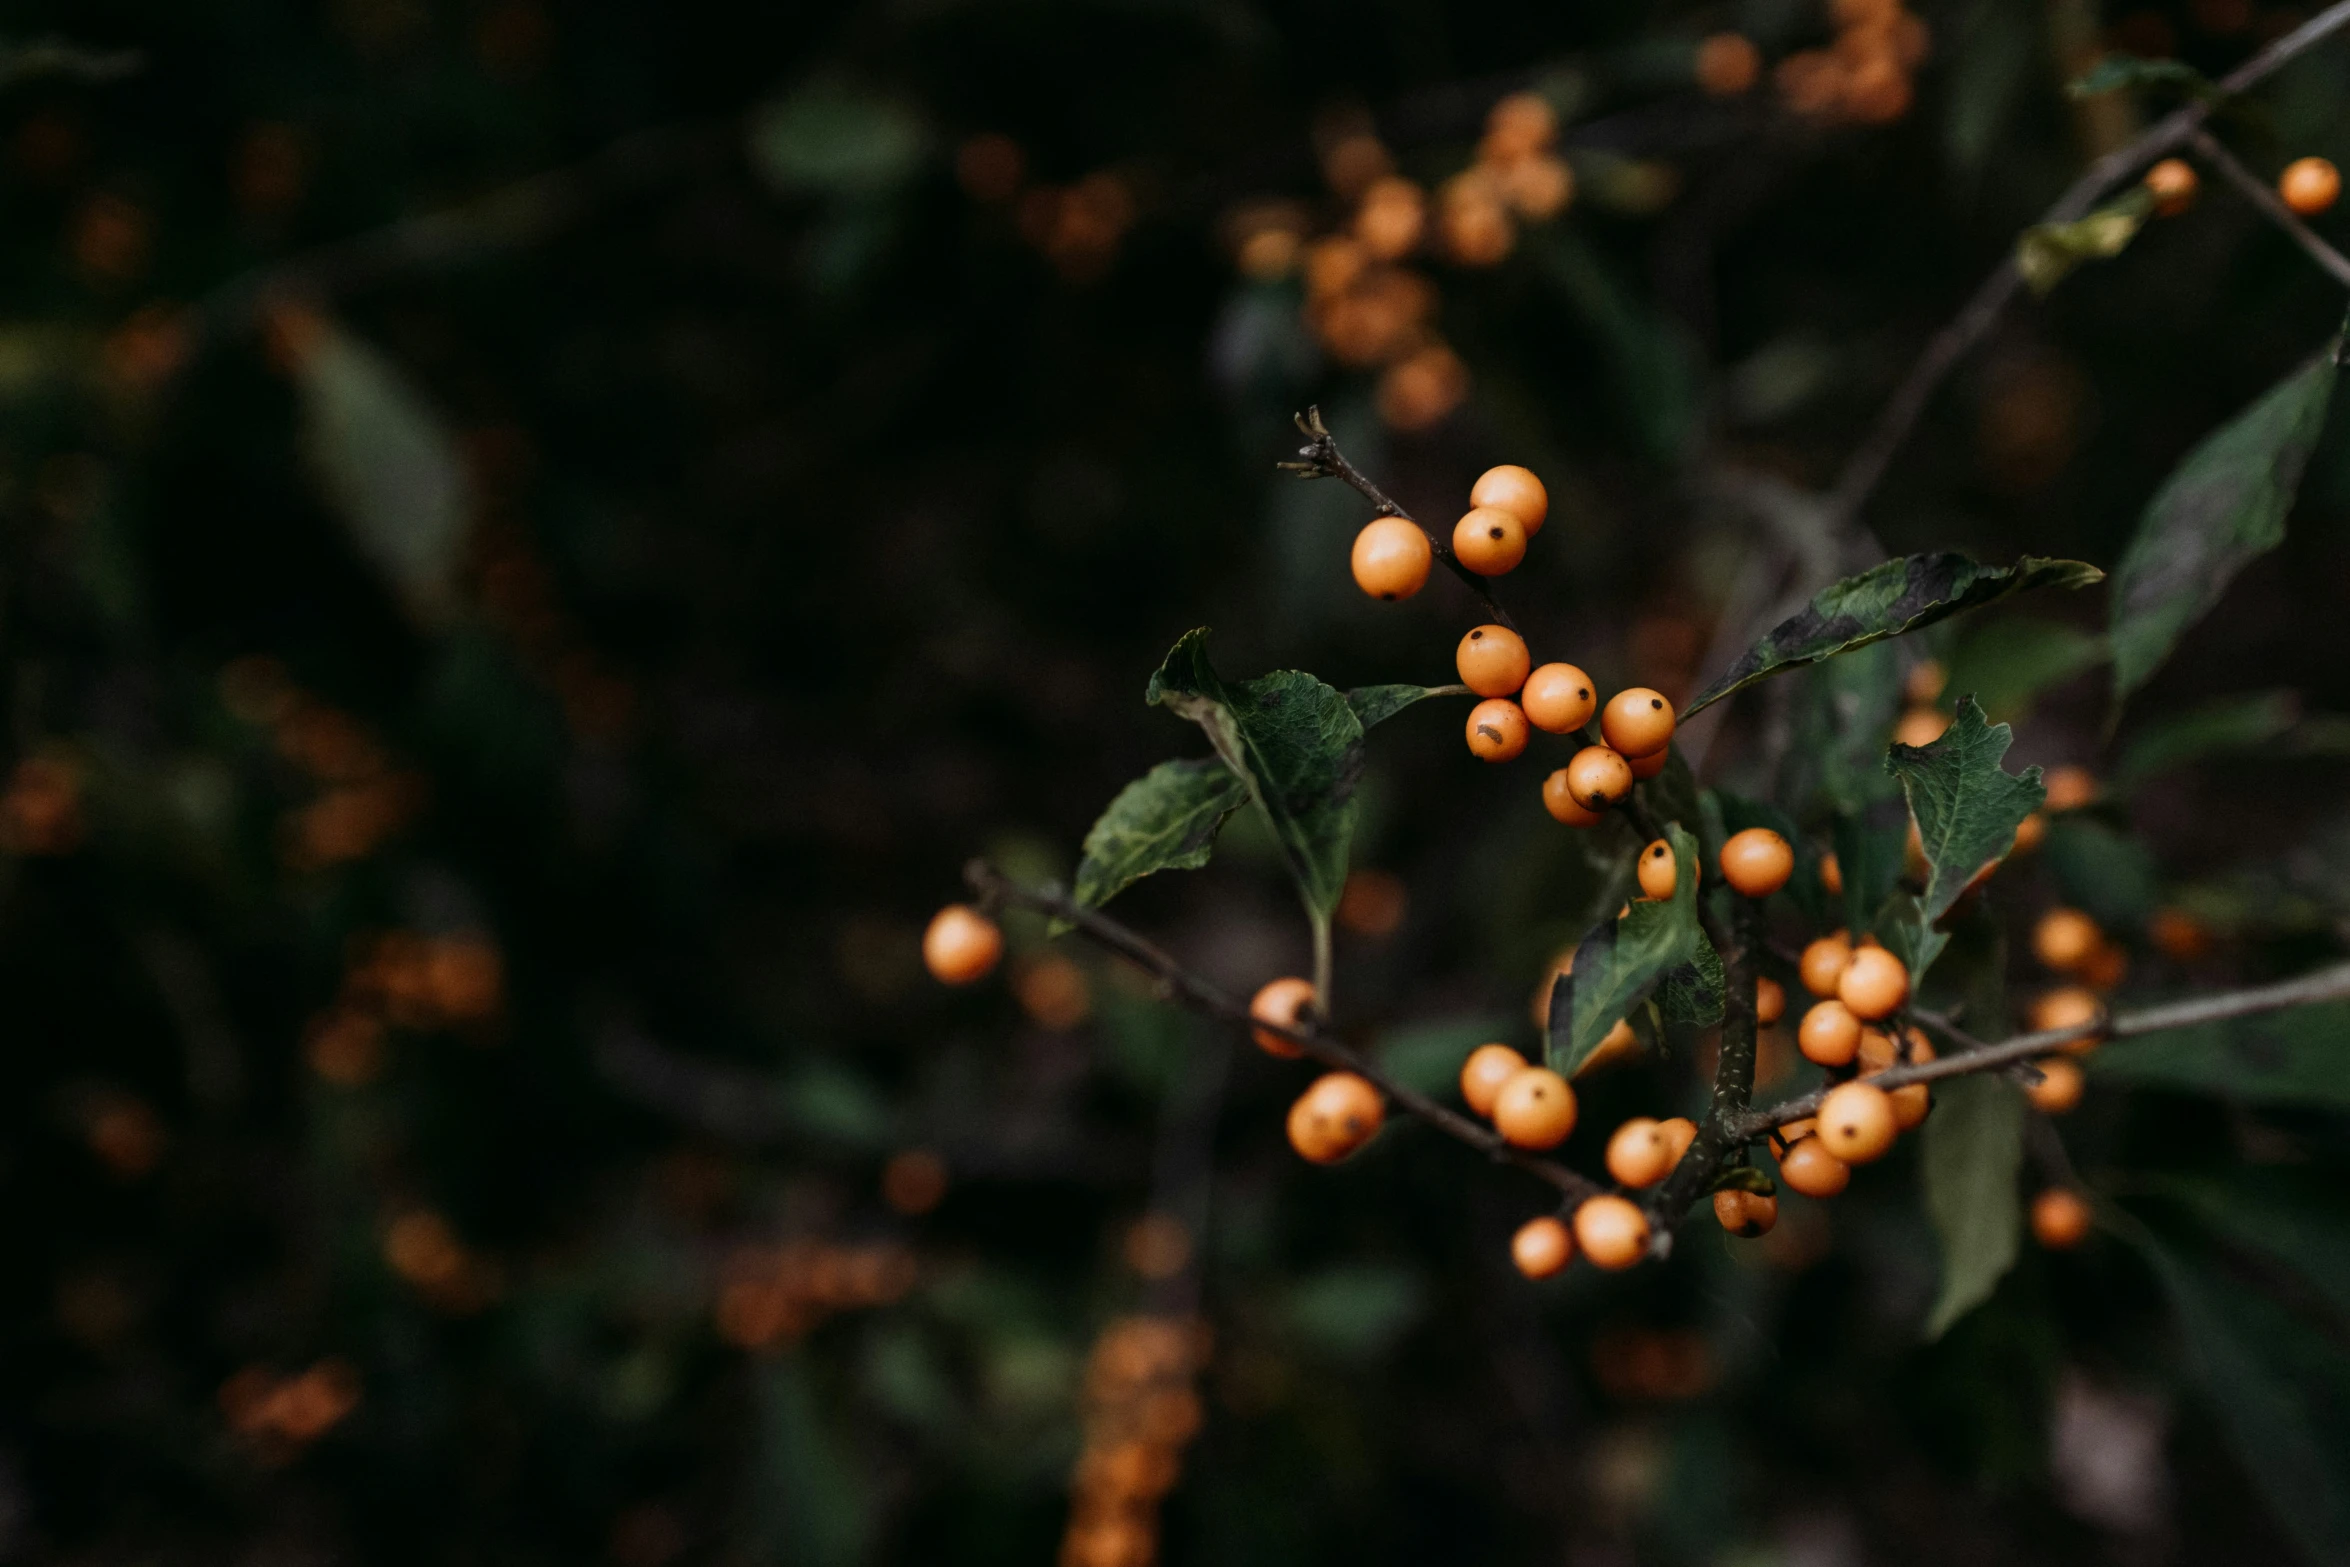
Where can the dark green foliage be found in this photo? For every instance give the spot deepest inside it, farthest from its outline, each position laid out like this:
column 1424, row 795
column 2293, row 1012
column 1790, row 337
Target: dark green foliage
column 1967, row 807
column 1972, row 1152
column 1623, row 960
column 1164, row 820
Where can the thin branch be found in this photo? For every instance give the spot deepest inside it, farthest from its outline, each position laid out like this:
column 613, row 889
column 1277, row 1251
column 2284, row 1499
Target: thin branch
column 1179, row 984
column 2255, row 190
column 1321, row 459
column 1868, row 462
column 55, row 57
column 1720, row 1136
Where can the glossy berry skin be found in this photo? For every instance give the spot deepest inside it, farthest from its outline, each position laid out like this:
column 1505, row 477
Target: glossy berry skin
column 1829, row 1034
column 2172, row 183
column 1748, row 1215
column 1757, row 862
column 1559, row 699
column 1874, row 984
column 1391, row 559
column 2060, row 1219
column 1492, row 661
column 1497, row 730
column 1770, row 1000
column 1659, row 873
column 1598, row 778
column 1541, row 1247
column 1809, row 1168
column 1287, row 1002
column 1334, row 1117
column 961, row 945
column 2059, row 1088
column 1911, row 1105
column 1515, row 490
column 1535, row 1109
column 1639, row 1154
column 1646, row 767
column 1637, row 722
column 2309, row 185
column 1612, row 1232
column 1856, row 1123
column 1679, row 1132
column 2068, row 1007
column 1823, row 963
column 1489, row 541
column 1558, row 798
column 2066, row 939
column 1482, row 1075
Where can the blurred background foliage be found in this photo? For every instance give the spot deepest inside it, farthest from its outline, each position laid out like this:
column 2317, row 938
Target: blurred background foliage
column 537, row 537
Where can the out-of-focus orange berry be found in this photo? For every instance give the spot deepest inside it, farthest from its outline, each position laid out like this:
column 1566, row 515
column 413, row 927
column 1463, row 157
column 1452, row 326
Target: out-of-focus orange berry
column 1287, row 1002
column 961, row 945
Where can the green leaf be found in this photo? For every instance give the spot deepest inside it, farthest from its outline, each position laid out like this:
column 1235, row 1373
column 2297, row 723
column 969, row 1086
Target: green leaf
column 1622, row 961
column 1844, row 715
column 1295, row 742
column 1374, row 705
column 2290, row 1216
column 1164, row 820
column 2233, row 723
column 1870, row 850
column 1672, row 795
column 1973, row 1148
column 1693, row 992
column 2106, row 872
column 2118, row 70
column 830, row 138
column 1912, row 937
column 1355, row 1313
column 2010, row 662
column 1966, row 805
column 2293, row 1057
column 2218, row 511
column 1887, row 600
column 2046, row 253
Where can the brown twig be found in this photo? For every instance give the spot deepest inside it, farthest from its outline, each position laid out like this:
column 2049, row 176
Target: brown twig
column 2256, row 191
column 1178, row 983
column 1719, row 1137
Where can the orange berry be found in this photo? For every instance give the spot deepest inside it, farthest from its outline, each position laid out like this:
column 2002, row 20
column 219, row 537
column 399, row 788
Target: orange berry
column 2060, row 1219
column 2310, row 185
column 1286, row 1003
column 1541, row 1247
column 2068, row 1006
column 1877, row 1051
column 1910, row 1105
column 1679, row 1132
column 1558, row 699
column 1637, row 722
column 1920, row 726
column 1757, row 862
column 1497, row 729
column 1809, row 1168
column 1727, row 64
column 1611, row 1231
column 2178, row 935
column 1823, row 963
column 1391, row 559
column 2106, row 967
column 1619, row 1042
column 1829, row 1034
column 1874, row 984
column 2029, row 833
column 1856, row 1122
column 1535, row 1109
column 1644, row 767
column 1770, row 1000
column 1558, row 798
column 1640, row 1154
column 2069, row 788
column 1831, row 876
column 1492, row 661
column 1746, row 1214
column 1922, row 686
column 1489, row 541
column 1659, row 873
column 1334, row 1117
column 1488, row 1067
column 2059, row 1088
column 2065, row 939
column 1515, row 490
column 961, row 945
column 2172, row 184
column 1598, row 778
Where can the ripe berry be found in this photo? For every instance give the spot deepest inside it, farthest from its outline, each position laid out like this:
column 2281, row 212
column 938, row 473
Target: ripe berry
column 1513, row 489
column 1640, row 1154
column 961, row 944
column 1619, row 1042
column 1334, row 1117
column 2060, row 1219
column 1558, row 699
column 1597, row 777
column 2065, row 939
column 1856, row 1122
column 1492, row 661
column 1558, row 798
column 1391, row 559
column 1757, row 862
column 2106, row 967
column 1679, row 1132
column 2309, row 185
column 1823, row 963
column 1637, row 722
column 1770, row 1000
column 1910, row 1106
column 2172, row 184
column 1649, row 766
column 1727, row 64
column 2029, row 833
column 2069, row 788
column 1541, row 1247
column 1612, row 1232
column 1288, row 1003
column 2178, row 935
column 1831, row 876
column 1489, row 541
column 1829, row 1034
column 1746, row 1214
column 1488, row 1067
column 1659, row 875
column 1920, row 726
column 2068, row 1006
column 1535, row 1109
column 1809, row 1168
column 1497, row 729
column 1874, row 984
column 2059, row 1088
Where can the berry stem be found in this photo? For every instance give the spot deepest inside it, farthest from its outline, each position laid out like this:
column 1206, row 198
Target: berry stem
column 1719, row 1136
column 2255, row 190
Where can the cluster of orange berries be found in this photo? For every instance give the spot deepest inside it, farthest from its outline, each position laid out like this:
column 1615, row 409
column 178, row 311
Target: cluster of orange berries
column 1078, row 227
column 402, row 979
column 362, row 801
column 285, row 1413
column 1865, row 74
column 1140, row 1413
column 2308, row 186
column 772, row 1293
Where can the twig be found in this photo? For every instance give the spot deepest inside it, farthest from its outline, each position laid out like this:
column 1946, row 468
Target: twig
column 1868, row 462
column 1720, row 1136
column 55, row 57
column 1323, row 460
column 2256, row 191
column 1178, row 983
